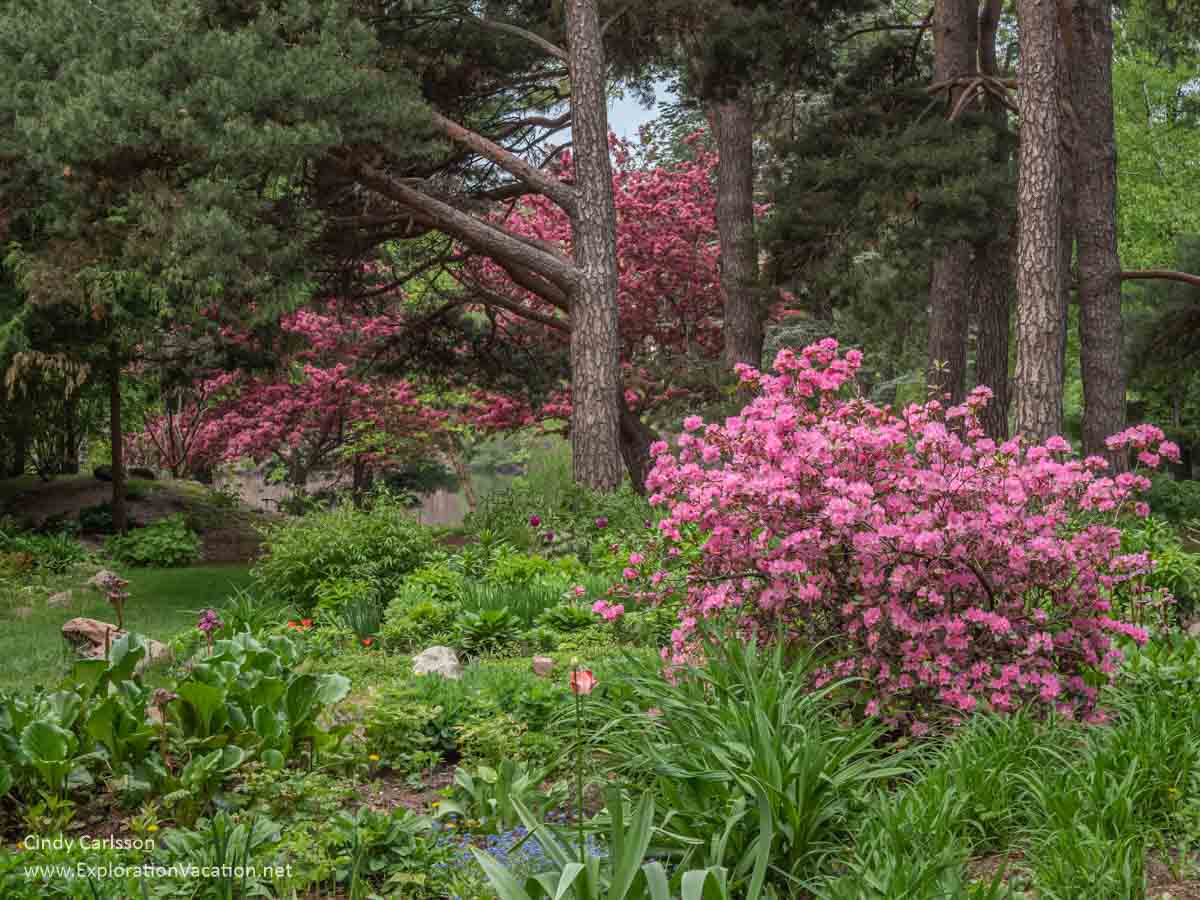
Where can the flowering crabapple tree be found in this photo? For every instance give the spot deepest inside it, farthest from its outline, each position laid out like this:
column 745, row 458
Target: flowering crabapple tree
column 328, row 404
column 946, row 572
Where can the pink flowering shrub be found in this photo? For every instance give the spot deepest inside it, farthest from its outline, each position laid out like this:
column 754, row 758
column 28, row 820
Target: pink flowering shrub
column 947, row 573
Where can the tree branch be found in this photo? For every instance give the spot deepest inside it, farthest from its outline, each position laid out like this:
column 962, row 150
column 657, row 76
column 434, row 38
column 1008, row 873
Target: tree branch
column 563, row 195
column 1161, row 274
column 516, row 31
column 494, row 298
column 476, row 234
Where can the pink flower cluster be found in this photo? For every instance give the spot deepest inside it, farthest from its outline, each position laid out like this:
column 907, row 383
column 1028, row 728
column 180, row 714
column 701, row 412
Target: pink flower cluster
column 947, row 572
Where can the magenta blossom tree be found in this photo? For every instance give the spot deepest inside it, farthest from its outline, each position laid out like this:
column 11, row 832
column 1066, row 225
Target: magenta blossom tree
column 946, row 572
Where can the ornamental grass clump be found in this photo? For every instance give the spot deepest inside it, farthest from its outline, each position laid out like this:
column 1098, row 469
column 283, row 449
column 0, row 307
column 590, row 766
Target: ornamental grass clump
column 957, row 573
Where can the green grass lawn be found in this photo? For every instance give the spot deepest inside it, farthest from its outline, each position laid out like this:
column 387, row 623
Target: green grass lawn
column 161, row 603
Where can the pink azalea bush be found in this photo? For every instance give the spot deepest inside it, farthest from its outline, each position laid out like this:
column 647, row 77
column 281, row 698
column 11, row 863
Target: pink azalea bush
column 947, row 572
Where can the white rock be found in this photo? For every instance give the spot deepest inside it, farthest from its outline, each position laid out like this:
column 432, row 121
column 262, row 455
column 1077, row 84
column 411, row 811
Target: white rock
column 437, row 661
column 60, row 600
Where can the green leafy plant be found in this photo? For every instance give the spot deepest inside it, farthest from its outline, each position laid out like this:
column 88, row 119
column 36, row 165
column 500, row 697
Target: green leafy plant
column 96, row 519
column 490, row 795
column 392, row 850
column 52, row 552
column 624, row 875
column 1176, row 570
column 248, row 693
column 245, row 610
column 379, row 545
column 363, row 616
column 745, row 748
column 1176, row 500
column 490, row 631
column 524, row 601
column 414, row 621
column 336, row 593
column 436, row 581
column 165, row 543
column 226, row 848
column 567, row 617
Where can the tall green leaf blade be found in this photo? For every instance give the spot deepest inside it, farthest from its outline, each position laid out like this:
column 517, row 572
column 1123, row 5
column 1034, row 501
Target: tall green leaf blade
column 502, row 881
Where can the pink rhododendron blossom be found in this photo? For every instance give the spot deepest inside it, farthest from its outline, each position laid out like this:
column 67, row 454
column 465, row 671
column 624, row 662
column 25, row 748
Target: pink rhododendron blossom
column 958, row 574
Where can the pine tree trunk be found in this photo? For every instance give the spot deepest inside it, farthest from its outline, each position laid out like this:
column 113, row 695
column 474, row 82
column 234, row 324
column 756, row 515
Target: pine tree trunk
column 595, row 346
column 744, row 312
column 1067, row 140
column 993, row 260
column 117, row 439
column 1039, row 375
column 1095, row 166
column 955, row 39
column 993, row 302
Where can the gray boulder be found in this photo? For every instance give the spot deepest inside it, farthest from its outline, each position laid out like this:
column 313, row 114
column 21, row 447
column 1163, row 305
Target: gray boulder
column 437, row 661
column 61, row 600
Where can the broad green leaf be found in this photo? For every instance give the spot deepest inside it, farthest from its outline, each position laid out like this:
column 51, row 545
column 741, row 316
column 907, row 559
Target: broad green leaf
column 87, row 673
column 46, row 742
column 268, row 725
column 267, row 692
column 66, row 706
column 332, row 689
column 6, row 779
column 501, row 879
column 273, row 760
column 124, row 655
column 205, row 700
column 102, row 725
column 301, row 698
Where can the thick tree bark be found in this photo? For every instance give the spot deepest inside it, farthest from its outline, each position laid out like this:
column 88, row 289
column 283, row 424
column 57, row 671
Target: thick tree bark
column 1068, row 136
column 993, row 302
column 744, row 312
column 1039, row 375
column 955, row 37
column 1095, row 166
column 595, row 343
column 636, row 438
column 117, row 438
column 993, row 262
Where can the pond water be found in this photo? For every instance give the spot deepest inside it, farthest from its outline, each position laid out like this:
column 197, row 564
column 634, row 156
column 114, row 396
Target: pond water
column 442, row 507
